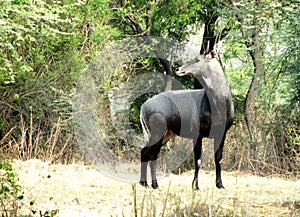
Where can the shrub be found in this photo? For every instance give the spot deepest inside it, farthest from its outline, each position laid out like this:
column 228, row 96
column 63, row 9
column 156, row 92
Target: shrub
column 10, row 190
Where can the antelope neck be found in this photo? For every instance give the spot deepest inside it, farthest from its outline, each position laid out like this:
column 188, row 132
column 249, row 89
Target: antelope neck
column 216, row 86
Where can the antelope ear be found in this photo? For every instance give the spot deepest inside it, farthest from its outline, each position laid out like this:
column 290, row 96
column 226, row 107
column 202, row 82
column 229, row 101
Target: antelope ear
column 213, row 54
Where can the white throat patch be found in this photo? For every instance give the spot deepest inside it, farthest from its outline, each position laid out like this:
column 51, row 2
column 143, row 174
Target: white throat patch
column 208, row 82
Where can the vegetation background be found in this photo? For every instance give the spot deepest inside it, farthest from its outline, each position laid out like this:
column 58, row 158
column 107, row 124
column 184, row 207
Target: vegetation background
column 46, row 45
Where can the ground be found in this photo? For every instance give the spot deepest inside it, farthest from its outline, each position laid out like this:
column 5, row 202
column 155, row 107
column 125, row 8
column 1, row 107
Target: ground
column 80, row 190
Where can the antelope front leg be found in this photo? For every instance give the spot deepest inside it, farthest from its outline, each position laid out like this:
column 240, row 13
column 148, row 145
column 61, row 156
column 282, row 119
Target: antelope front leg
column 197, row 160
column 218, row 159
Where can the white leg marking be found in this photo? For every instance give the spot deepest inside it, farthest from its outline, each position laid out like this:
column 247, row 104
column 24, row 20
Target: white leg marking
column 199, row 162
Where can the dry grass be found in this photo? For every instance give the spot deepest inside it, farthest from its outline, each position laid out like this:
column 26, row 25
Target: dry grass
column 78, row 190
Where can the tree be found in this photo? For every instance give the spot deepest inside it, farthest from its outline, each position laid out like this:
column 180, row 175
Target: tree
column 249, row 14
column 264, row 28
column 171, row 19
column 45, row 46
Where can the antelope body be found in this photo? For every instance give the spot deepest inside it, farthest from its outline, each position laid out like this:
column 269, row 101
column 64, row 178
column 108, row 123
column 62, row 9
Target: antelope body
column 190, row 114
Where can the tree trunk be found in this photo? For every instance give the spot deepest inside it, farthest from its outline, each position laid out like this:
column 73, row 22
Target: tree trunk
column 209, row 37
column 251, row 37
column 208, row 42
column 251, row 97
column 168, row 70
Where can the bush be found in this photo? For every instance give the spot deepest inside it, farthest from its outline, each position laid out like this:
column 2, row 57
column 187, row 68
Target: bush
column 9, row 189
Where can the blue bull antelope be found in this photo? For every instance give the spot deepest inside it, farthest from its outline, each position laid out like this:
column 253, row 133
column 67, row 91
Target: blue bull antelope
column 193, row 114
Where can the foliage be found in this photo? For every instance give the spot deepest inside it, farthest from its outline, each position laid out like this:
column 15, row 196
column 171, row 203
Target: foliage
column 9, row 188
column 46, row 46
column 172, row 18
column 24, row 30
column 264, row 28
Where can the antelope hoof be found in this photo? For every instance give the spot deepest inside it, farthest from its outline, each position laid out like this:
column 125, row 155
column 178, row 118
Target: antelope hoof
column 154, row 184
column 220, row 185
column 195, row 185
column 144, row 184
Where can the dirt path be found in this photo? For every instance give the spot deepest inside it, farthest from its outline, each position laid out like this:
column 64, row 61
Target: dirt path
column 78, row 190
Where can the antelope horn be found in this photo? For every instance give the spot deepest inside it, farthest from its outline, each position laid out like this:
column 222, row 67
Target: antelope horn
column 207, row 48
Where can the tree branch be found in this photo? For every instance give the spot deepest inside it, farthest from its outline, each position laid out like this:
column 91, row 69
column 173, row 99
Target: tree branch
column 146, row 32
column 136, row 24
